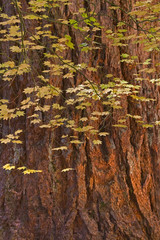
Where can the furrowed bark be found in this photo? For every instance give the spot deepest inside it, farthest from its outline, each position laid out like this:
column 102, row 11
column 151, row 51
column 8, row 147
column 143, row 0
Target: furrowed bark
column 114, row 191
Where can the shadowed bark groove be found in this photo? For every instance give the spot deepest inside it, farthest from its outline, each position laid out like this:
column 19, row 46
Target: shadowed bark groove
column 113, row 193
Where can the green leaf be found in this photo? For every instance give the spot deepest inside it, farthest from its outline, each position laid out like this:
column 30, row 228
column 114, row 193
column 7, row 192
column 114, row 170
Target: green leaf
column 124, row 55
column 109, row 75
column 68, row 42
column 147, row 125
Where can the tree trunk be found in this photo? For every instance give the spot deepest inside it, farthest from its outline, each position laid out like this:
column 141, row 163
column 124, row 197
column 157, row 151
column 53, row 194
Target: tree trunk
column 113, row 193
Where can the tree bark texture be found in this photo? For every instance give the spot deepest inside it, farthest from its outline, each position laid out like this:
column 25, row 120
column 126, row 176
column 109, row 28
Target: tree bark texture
column 114, row 192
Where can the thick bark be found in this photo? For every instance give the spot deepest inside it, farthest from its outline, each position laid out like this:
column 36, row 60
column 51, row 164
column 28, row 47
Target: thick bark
column 114, row 191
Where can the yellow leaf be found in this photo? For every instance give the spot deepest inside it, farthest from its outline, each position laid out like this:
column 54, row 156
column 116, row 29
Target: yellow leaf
column 64, row 136
column 28, row 90
column 17, row 141
column 57, row 106
column 76, row 142
column 60, row 148
column 83, row 119
column 29, row 171
column 96, row 113
column 25, row 101
column 26, row 172
column 20, row 113
column 37, row 47
column 94, row 118
column 10, row 72
column 67, row 169
column 83, row 129
column 10, row 136
column 97, row 142
column 8, row 167
column 68, row 75
column 15, row 49
column 45, row 108
column 23, row 68
column 5, row 140
column 36, row 121
column 21, row 168
column 120, row 125
column 14, row 31
column 45, row 126
column 94, row 131
column 103, row 134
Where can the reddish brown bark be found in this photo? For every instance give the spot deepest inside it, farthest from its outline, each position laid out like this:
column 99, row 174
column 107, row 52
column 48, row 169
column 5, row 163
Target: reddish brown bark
column 114, row 191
